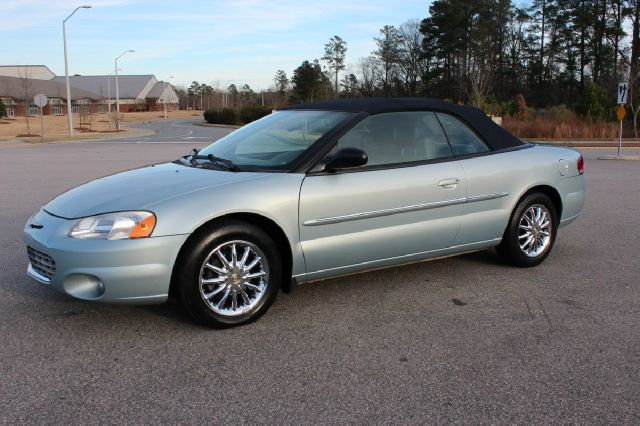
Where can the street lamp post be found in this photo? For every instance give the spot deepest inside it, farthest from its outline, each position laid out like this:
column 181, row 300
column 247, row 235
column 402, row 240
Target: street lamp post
column 66, row 66
column 117, row 90
column 164, row 99
column 109, row 97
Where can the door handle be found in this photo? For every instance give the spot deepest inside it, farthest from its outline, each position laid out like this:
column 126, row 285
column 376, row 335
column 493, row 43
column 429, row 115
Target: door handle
column 448, row 183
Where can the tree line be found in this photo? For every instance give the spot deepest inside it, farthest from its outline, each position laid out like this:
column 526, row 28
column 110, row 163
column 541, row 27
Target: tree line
column 492, row 54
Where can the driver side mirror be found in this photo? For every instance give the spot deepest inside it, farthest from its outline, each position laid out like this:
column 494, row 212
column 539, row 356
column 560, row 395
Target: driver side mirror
column 347, row 158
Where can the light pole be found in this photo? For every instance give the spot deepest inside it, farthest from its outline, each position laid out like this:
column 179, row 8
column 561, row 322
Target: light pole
column 109, row 97
column 66, row 66
column 117, row 92
column 164, row 99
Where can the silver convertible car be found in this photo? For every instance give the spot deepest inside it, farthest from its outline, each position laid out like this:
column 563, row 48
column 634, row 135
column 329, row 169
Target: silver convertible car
column 306, row 193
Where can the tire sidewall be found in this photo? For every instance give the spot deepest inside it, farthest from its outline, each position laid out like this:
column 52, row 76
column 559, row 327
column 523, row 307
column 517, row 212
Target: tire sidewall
column 510, row 238
column 199, row 249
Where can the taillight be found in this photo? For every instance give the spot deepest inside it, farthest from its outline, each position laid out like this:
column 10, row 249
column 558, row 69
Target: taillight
column 581, row 165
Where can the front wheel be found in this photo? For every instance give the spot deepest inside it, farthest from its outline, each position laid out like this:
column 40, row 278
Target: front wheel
column 531, row 232
column 230, row 275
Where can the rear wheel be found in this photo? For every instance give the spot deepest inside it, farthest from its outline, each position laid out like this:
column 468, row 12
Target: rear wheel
column 230, row 275
column 531, row 232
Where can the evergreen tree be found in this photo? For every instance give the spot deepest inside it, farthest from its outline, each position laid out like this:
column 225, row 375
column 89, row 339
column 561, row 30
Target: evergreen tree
column 307, row 82
column 334, row 55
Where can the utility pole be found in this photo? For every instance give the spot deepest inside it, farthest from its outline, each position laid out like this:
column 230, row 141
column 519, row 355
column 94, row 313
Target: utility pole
column 117, row 90
column 164, row 99
column 66, row 67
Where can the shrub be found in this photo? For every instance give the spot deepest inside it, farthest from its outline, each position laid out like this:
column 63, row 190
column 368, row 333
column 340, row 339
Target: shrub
column 221, row 116
column 3, row 110
column 253, row 113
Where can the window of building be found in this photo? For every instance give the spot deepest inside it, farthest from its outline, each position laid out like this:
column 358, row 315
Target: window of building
column 56, row 106
column 32, row 110
column 8, row 104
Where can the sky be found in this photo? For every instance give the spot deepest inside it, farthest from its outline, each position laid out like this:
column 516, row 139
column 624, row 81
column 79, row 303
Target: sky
column 213, row 42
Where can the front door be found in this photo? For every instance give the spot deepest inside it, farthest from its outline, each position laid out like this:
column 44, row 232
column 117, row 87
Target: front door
column 405, row 202
column 488, row 207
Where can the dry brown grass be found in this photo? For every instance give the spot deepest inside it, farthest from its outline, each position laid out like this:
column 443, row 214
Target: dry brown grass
column 574, row 128
column 55, row 126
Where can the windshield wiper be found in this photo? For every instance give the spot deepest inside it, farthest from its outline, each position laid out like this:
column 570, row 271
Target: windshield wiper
column 227, row 164
column 187, row 160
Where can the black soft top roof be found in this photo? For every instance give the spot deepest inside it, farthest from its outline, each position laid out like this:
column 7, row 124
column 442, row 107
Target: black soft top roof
column 493, row 134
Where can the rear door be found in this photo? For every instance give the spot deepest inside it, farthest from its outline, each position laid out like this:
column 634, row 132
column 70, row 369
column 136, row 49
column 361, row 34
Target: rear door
column 406, row 201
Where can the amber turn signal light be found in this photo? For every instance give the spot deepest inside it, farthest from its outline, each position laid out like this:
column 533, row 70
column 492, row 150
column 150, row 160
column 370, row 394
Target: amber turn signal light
column 144, row 228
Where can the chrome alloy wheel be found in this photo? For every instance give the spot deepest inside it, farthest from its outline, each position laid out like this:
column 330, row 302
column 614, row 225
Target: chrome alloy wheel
column 534, row 230
column 234, row 278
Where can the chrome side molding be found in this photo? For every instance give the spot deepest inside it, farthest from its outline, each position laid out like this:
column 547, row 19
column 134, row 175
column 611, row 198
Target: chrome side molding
column 403, row 209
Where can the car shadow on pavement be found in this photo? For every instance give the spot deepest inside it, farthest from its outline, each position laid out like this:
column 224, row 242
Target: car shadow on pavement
column 486, row 257
column 172, row 310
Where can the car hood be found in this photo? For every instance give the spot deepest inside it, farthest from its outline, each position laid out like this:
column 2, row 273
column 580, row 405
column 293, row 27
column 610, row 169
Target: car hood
column 139, row 189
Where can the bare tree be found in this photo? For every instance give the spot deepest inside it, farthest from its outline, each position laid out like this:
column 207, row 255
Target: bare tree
column 26, row 86
column 389, row 54
column 411, row 60
column 370, row 71
column 481, row 78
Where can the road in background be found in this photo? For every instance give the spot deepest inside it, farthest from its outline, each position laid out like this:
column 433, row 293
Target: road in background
column 177, row 132
column 559, row 343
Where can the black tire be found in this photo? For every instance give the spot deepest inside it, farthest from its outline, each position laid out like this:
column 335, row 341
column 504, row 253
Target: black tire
column 509, row 249
column 198, row 250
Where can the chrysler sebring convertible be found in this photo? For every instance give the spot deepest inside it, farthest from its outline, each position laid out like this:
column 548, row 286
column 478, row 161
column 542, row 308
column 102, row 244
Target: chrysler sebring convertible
column 307, row 193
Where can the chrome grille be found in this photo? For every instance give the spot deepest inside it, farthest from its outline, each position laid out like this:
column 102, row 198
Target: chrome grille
column 41, row 262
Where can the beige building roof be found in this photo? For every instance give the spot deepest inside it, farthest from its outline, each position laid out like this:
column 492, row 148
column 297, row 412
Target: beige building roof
column 163, row 93
column 129, row 86
column 38, row 72
column 12, row 87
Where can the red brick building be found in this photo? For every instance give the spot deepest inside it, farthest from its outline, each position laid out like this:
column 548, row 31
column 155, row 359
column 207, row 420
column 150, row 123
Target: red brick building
column 19, row 85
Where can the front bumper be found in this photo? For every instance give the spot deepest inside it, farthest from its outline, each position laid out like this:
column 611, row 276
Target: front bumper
column 119, row 271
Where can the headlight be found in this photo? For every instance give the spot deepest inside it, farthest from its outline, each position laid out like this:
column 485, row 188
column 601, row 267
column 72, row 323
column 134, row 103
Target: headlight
column 115, row 226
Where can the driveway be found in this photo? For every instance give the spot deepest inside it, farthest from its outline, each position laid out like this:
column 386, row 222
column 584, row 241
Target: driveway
column 462, row 339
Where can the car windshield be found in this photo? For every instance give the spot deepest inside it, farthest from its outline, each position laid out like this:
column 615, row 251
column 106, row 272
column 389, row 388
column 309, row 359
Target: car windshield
column 275, row 141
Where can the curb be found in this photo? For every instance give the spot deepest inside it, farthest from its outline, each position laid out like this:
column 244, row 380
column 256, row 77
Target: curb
column 222, row 126
column 130, row 133
column 621, row 158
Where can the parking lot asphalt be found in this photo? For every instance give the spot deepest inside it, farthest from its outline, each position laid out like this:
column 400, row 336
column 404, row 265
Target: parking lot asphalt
column 559, row 343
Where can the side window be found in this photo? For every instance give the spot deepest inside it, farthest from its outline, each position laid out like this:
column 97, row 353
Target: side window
column 398, row 137
column 463, row 140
